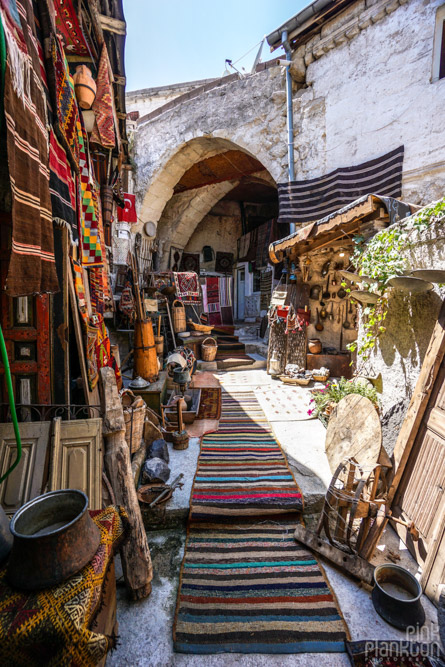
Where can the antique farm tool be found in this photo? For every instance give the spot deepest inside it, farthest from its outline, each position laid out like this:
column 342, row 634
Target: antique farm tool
column 323, row 313
column 346, row 323
column 325, row 268
column 331, row 312
column 318, row 324
column 351, row 504
column 341, row 292
column 168, row 492
column 364, row 296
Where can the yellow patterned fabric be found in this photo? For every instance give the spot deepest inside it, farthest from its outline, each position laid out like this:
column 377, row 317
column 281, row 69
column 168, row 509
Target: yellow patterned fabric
column 50, row 627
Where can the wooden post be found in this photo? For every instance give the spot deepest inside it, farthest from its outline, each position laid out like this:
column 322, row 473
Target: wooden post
column 135, row 554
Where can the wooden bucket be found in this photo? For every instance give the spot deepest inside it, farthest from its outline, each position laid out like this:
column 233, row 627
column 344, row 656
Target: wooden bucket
column 209, row 348
column 145, row 358
column 159, row 342
column 178, row 314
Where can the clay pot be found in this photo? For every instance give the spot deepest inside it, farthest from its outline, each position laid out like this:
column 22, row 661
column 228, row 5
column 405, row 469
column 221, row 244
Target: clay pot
column 84, row 86
column 314, row 346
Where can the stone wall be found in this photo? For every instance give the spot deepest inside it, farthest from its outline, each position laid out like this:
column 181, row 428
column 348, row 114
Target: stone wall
column 400, row 351
column 148, row 99
column 220, row 229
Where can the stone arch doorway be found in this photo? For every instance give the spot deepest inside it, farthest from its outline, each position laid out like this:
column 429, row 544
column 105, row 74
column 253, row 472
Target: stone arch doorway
column 213, row 192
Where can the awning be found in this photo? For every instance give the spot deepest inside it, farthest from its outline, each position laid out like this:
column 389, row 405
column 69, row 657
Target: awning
column 373, row 211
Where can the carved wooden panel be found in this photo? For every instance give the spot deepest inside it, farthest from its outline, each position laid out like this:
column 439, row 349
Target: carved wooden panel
column 76, row 458
column 25, row 481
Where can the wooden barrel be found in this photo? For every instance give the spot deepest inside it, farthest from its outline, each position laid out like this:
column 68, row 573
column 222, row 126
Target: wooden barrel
column 145, row 358
column 159, row 342
column 106, row 193
column 178, row 313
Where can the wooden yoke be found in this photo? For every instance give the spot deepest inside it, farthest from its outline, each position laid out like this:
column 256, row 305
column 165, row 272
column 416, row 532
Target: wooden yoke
column 135, row 553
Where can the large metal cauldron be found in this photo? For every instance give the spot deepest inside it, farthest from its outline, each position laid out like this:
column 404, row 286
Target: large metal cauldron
column 5, row 536
column 54, row 537
column 396, row 596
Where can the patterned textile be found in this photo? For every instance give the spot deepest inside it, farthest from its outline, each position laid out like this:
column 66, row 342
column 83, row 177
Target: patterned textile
column 210, row 403
column 103, row 349
column 32, row 267
column 61, row 187
column 68, row 24
column 394, row 653
column 97, row 290
column 127, row 303
column 265, row 289
column 262, row 249
column 205, row 304
column 306, row 201
column 79, row 287
column 224, row 262
column 190, row 262
column 64, row 100
column 174, row 260
column 225, row 291
column 246, row 585
column 89, row 219
column 51, row 627
column 90, row 334
column 103, row 131
column 243, row 247
column 128, row 213
column 213, row 305
column 187, row 287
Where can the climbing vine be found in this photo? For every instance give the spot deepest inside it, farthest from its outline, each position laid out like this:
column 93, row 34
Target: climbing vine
column 383, row 258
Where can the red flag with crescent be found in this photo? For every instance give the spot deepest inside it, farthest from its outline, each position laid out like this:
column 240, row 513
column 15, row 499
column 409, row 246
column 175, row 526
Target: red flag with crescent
column 128, row 214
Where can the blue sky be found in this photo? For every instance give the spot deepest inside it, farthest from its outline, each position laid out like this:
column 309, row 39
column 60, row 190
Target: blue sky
column 170, row 41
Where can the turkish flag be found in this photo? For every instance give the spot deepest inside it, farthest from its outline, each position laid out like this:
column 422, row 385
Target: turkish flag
column 128, row 214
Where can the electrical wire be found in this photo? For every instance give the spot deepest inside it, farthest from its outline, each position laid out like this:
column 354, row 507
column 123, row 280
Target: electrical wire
column 10, row 391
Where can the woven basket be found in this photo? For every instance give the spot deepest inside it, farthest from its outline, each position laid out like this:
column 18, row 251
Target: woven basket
column 318, row 377
column 134, row 427
column 209, row 348
column 204, row 328
column 178, row 314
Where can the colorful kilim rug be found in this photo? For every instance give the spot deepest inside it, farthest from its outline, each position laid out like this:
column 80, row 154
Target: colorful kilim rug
column 51, row 627
column 32, row 268
column 246, row 585
column 187, row 287
column 64, row 98
column 210, row 403
column 61, row 187
column 68, row 24
column 89, row 220
column 103, row 130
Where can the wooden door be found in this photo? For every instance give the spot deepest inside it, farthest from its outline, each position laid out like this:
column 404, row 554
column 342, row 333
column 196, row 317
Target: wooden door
column 26, row 328
column 76, row 458
column 421, row 494
column 26, row 480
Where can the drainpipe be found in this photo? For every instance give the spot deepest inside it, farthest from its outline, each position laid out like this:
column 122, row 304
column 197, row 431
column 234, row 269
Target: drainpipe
column 290, row 127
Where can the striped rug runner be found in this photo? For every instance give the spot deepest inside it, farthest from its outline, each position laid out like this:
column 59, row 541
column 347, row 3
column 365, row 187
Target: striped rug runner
column 246, row 585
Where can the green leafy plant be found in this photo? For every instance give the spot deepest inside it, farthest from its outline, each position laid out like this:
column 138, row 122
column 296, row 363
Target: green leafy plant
column 383, row 258
column 325, row 399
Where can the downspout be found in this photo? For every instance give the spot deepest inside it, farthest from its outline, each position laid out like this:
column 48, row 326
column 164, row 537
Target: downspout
column 290, row 126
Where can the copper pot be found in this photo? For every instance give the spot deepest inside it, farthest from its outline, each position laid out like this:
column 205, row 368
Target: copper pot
column 314, row 346
column 54, row 537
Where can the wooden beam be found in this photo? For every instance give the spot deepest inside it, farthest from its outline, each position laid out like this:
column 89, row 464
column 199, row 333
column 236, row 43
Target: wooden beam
column 135, row 553
column 111, row 24
column 120, row 80
column 419, row 401
column 349, row 563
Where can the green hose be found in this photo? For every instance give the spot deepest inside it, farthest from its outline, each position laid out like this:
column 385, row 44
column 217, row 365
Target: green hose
column 11, row 405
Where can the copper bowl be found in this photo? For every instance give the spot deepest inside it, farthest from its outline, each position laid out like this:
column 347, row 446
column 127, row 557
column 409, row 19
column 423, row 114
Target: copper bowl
column 54, row 537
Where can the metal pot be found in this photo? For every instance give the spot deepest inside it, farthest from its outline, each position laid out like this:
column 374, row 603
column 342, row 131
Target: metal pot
column 314, row 346
column 396, row 596
column 5, row 536
column 54, row 537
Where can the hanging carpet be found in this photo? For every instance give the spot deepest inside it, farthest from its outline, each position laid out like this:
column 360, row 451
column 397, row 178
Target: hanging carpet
column 187, row 287
column 224, row 262
column 246, row 585
column 190, row 262
column 68, row 25
column 89, row 221
column 103, row 131
column 305, row 201
column 213, row 303
column 62, row 188
column 32, row 268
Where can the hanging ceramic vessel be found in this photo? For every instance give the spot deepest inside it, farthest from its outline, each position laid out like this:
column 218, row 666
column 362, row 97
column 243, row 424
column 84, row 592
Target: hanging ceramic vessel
column 84, row 86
